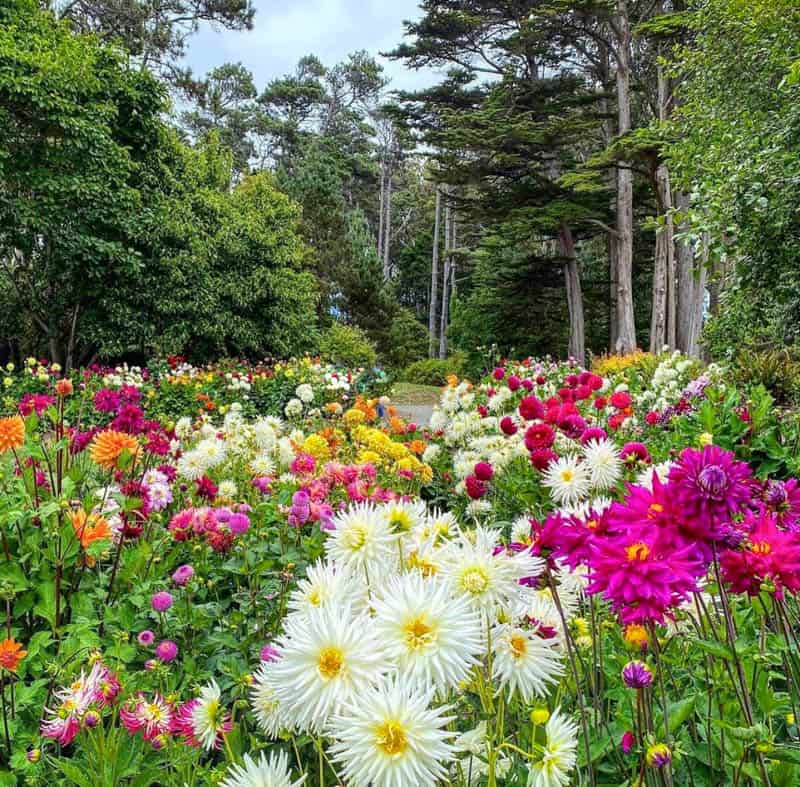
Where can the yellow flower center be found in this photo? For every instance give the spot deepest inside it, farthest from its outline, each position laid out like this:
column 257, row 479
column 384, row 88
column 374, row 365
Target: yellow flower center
column 330, row 662
column 655, row 508
column 391, row 738
column 519, row 645
column 314, row 597
column 154, row 712
column 418, row 633
column 475, row 580
column 760, row 547
column 399, row 520
column 355, row 536
column 637, row 551
column 567, row 474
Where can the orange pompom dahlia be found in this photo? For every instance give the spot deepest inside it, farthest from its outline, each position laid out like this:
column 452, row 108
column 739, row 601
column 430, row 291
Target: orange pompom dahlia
column 12, row 433
column 108, row 446
column 11, row 653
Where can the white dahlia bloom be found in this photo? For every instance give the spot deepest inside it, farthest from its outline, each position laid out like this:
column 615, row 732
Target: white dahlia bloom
column 390, row 737
column 326, row 658
column 523, row 661
column 272, row 772
column 602, row 459
column 294, row 408
column 433, row 637
column 326, row 584
column 305, row 393
column 191, row 466
column 489, row 580
column 403, row 516
column 362, row 541
column 569, row 482
column 208, row 719
column 265, row 704
column 212, row 450
column 559, row 756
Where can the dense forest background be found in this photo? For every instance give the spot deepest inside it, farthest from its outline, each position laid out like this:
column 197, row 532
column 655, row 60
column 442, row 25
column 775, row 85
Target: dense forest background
column 586, row 176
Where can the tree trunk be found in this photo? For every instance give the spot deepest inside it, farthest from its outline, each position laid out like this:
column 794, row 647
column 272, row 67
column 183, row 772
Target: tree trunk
column 445, row 282
column 626, row 326
column 434, row 296
column 387, row 240
column 684, row 284
column 381, row 210
column 572, row 280
column 662, row 316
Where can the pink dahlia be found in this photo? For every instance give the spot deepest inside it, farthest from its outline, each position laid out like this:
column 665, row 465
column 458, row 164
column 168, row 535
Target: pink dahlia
column 531, row 408
column 153, row 718
column 642, row 576
column 710, row 484
column 767, row 558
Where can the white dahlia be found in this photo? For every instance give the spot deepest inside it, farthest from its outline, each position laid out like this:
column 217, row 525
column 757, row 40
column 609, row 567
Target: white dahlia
column 265, row 704
column 272, row 772
column 487, row 577
column 558, row 758
column 326, row 584
column 390, row 737
column 602, row 459
column 523, row 661
column 433, row 637
column 326, row 657
column 362, row 540
column 569, row 482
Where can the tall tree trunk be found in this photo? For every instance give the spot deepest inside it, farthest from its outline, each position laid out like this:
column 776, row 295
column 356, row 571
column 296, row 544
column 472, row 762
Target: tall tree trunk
column 626, row 326
column 433, row 301
column 662, row 324
column 381, row 209
column 445, row 281
column 572, row 280
column 662, row 319
column 684, row 284
column 454, row 258
column 387, row 239
column 604, row 78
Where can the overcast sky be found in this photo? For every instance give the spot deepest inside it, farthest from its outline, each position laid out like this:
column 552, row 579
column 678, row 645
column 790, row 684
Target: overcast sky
column 285, row 30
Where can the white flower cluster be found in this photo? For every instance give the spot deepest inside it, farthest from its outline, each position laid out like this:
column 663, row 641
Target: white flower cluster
column 669, row 379
column 124, row 375
column 385, row 634
column 261, row 446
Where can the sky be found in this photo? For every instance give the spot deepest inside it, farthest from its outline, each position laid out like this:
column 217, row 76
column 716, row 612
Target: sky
column 285, row 30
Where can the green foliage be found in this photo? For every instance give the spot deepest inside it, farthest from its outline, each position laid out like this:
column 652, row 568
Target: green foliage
column 738, row 153
column 432, row 371
column 347, row 345
column 407, row 340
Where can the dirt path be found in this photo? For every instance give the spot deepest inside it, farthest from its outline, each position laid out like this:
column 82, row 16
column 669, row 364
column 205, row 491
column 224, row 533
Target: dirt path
column 415, row 402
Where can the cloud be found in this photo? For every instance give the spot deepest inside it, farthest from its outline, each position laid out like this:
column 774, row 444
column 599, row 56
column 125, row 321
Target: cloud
column 284, row 31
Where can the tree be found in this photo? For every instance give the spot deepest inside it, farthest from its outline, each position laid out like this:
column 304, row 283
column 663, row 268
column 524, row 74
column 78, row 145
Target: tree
column 156, row 32
column 737, row 154
column 225, row 104
column 76, row 128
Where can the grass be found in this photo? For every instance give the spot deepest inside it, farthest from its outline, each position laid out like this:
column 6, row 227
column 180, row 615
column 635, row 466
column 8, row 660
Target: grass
column 410, row 393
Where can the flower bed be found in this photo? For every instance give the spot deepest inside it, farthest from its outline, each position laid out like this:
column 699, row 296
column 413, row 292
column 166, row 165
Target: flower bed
column 566, row 578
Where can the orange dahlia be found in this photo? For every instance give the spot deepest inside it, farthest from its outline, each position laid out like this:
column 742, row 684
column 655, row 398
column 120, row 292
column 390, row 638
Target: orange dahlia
column 89, row 528
column 11, row 653
column 12, row 433
column 108, row 446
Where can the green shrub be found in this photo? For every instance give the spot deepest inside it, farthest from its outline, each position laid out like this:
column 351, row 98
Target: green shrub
column 777, row 370
column 348, row 346
column 407, row 340
column 432, row 371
